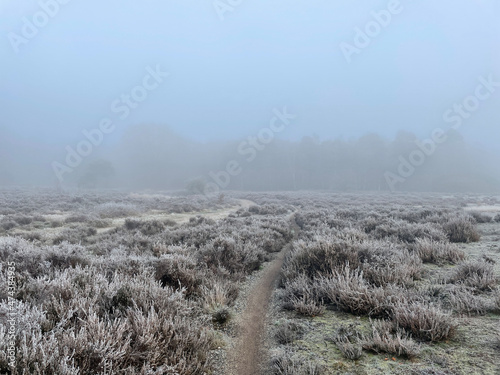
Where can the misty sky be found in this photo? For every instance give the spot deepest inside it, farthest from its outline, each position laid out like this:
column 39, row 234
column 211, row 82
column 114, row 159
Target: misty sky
column 227, row 76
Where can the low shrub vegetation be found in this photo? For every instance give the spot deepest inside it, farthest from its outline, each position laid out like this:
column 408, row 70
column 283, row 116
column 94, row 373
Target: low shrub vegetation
column 424, row 321
column 106, row 284
column 461, row 229
column 385, row 339
column 475, row 274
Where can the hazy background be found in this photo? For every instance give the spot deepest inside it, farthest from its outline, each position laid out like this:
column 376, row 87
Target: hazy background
column 354, row 120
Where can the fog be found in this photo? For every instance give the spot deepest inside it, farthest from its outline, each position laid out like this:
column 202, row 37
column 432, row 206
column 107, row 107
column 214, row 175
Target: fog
column 251, row 95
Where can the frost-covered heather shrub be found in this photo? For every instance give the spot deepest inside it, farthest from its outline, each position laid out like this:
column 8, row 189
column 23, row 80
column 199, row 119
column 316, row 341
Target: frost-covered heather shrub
column 41, row 260
column 432, row 371
column 36, row 352
column 8, row 225
column 407, row 232
column 131, row 224
column 231, row 254
column 77, row 218
column 75, row 235
column 148, row 228
column 348, row 340
column 350, row 292
column 200, row 220
column 288, row 331
column 385, row 263
column 56, row 223
column 269, row 209
column 179, row 271
column 308, row 305
column 272, row 239
column 384, row 339
column 423, row 320
column 349, row 350
column 23, row 219
column 496, row 301
column 462, row 299
column 286, row 363
column 319, row 257
column 39, row 218
column 218, row 294
column 419, row 215
column 480, row 217
column 93, row 322
column 113, row 210
column 346, row 331
column 296, row 289
column 133, row 242
column 371, row 222
column 476, row 274
column 30, row 236
column 497, row 218
column 100, row 223
column 460, row 229
column 382, row 262
column 308, row 220
column 438, row 252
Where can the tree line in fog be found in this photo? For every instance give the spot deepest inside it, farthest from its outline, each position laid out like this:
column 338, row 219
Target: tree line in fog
column 154, row 157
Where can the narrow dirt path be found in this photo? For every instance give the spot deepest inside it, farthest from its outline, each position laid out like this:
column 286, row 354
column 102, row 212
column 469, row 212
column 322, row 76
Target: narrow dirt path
column 247, row 355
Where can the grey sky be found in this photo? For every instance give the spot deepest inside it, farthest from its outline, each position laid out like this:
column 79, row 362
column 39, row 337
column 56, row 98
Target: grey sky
column 227, row 76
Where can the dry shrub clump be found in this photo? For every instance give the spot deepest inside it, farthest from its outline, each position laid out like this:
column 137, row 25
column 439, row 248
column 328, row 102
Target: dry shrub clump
column 385, row 338
column 462, row 299
column 76, row 235
column 298, row 289
column 349, row 350
column 33, row 261
column 148, row 228
column 111, row 210
column 407, row 232
column 423, row 320
column 77, row 218
column 8, row 225
column 496, row 301
column 438, row 252
column 288, row 331
column 92, row 324
column 355, row 275
column 318, row 258
column 269, row 209
column 382, row 262
column 286, row 363
column 475, row 274
column 461, row 229
column 307, row 305
column 480, row 217
column 348, row 340
column 350, row 292
column 232, row 255
column 217, row 299
column 23, row 219
column 179, row 271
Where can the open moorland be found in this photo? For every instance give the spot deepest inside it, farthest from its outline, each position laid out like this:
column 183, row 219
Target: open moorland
column 113, row 282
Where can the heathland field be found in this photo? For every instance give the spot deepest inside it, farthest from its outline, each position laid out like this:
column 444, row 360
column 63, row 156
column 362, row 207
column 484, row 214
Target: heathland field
column 113, row 282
